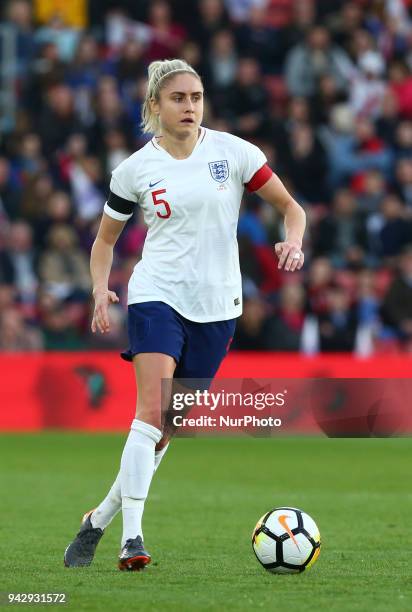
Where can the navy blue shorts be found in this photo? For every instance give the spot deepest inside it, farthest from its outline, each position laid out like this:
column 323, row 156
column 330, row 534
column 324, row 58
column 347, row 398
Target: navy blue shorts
column 197, row 348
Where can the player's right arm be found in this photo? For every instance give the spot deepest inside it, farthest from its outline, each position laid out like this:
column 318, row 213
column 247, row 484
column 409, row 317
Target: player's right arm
column 100, row 265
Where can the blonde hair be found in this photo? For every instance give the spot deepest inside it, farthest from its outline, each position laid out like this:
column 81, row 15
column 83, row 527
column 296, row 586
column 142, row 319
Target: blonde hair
column 159, row 74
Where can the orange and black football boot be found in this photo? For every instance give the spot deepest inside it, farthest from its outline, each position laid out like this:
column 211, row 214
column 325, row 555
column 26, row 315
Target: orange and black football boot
column 133, row 557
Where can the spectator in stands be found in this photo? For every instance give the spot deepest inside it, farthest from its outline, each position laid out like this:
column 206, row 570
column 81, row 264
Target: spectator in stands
column 34, row 196
column 86, row 187
column 367, row 305
column 397, row 303
column 279, row 13
column 63, row 267
column 129, row 67
column 251, row 270
column 8, row 293
column 324, row 99
column 280, row 129
column 166, row 36
column 251, row 223
column 258, row 329
column 400, row 83
column 403, row 140
column 343, row 23
column 193, row 55
column 16, row 335
column 320, row 279
column 257, row 39
column 58, row 120
column 255, row 226
column 251, row 329
column 247, row 100
column 387, row 121
column 391, row 27
column 371, row 192
column 85, row 69
column 298, row 112
column 367, row 86
column 82, row 75
column 239, row 12
column 115, row 151
column 60, row 332
column 22, row 261
column 338, row 324
column 283, row 331
column 119, row 27
column 6, row 270
column 57, row 32
column 389, row 230
column 366, row 298
column 73, row 153
column 325, row 9
column 110, row 114
column 213, row 17
column 58, row 210
column 355, row 148
column 222, row 60
column 362, row 42
column 371, row 151
column 341, row 234
column 29, row 160
column 306, row 164
column 10, row 196
column 309, row 61
column 18, row 16
column 45, row 73
column 403, row 181
column 292, row 33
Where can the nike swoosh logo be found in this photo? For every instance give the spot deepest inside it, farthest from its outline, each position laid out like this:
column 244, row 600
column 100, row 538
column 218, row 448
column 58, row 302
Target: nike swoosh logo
column 282, row 520
column 156, row 183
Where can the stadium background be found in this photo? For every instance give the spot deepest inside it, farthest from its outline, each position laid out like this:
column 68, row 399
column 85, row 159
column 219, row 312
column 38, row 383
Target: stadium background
column 325, row 88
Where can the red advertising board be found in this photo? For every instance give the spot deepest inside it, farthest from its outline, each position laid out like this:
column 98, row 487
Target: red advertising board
column 96, row 391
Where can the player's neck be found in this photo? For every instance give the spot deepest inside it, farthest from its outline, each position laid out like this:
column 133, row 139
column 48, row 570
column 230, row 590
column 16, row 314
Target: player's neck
column 179, row 148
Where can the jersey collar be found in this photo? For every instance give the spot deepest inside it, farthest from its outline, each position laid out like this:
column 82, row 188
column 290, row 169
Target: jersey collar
column 199, row 141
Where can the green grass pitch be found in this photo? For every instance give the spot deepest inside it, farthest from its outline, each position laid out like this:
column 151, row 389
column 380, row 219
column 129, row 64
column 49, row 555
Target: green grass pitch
column 204, row 502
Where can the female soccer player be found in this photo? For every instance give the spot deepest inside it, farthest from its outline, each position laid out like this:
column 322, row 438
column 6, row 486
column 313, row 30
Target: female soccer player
column 185, row 294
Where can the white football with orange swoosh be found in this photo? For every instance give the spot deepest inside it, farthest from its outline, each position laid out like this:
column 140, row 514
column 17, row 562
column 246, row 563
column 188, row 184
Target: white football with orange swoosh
column 286, row 540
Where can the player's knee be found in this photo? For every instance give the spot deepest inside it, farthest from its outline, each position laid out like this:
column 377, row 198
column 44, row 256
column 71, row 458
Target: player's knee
column 150, row 413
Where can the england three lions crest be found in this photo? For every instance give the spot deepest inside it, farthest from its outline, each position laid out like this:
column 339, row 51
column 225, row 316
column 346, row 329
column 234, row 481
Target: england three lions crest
column 219, row 170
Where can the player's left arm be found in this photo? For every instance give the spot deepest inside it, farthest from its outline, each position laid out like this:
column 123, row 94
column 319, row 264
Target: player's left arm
column 274, row 192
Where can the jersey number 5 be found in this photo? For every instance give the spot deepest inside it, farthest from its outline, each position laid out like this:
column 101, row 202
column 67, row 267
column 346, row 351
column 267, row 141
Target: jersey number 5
column 158, row 201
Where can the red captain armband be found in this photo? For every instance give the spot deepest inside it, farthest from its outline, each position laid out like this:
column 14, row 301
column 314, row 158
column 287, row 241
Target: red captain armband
column 259, row 178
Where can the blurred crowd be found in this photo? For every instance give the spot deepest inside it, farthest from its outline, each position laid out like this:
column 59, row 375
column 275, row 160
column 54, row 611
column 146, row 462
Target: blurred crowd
column 324, row 88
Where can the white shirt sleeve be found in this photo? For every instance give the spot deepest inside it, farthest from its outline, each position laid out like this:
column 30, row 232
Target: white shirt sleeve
column 123, row 181
column 250, row 159
column 122, row 184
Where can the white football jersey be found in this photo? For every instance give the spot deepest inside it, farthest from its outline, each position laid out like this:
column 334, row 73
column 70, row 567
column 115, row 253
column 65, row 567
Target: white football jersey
column 191, row 206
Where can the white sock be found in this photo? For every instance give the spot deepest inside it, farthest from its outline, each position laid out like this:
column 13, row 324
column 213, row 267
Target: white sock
column 132, row 511
column 109, row 507
column 136, row 472
column 159, row 456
